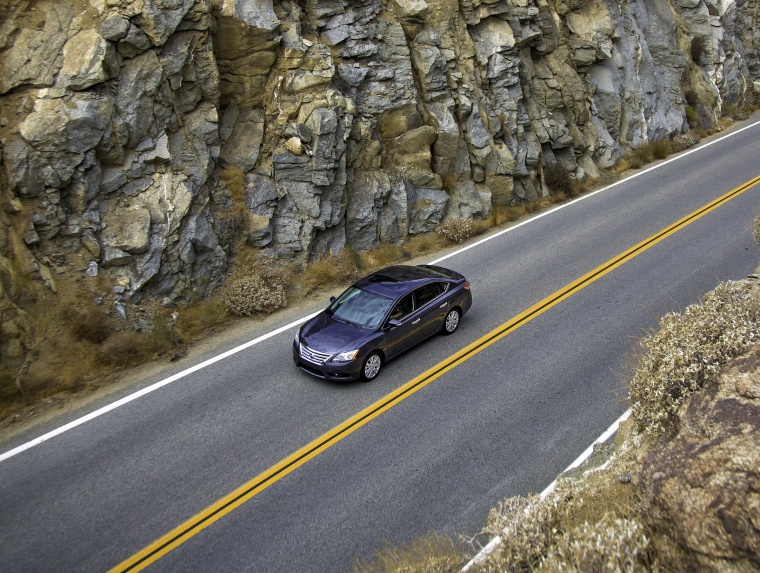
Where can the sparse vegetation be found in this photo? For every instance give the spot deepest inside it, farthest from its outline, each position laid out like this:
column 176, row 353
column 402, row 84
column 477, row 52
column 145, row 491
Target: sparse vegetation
column 637, row 158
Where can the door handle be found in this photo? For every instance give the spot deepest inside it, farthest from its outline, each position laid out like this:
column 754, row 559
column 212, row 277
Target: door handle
column 415, row 321
column 444, row 305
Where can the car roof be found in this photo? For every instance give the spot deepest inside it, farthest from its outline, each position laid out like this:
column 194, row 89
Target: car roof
column 399, row 279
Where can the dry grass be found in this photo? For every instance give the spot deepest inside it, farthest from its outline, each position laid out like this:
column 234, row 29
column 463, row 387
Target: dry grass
column 201, row 317
column 422, row 244
column 331, row 271
column 235, row 180
column 382, row 256
column 433, row 553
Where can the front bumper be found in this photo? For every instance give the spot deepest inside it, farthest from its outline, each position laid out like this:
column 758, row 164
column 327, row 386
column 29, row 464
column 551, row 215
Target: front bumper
column 338, row 371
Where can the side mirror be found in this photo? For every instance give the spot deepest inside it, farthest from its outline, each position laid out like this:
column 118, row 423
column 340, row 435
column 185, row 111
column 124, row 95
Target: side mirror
column 332, row 299
column 393, row 323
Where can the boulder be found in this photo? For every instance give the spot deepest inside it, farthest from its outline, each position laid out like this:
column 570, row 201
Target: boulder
column 127, row 229
column 699, row 491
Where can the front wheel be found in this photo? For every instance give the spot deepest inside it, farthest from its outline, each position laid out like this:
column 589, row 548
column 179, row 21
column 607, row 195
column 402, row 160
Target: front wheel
column 372, row 365
column 451, row 322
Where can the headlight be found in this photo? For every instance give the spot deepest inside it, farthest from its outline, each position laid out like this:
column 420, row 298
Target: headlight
column 346, row 356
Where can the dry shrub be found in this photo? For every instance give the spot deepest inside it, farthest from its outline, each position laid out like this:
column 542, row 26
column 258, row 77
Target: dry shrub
column 527, row 527
column 612, row 545
column 690, row 347
column 253, row 295
column 756, row 229
column 455, row 230
column 87, row 322
column 644, row 153
column 434, row 553
column 660, row 148
column 582, row 525
column 558, row 179
column 258, row 286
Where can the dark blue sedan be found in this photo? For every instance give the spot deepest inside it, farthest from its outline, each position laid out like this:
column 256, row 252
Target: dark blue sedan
column 379, row 317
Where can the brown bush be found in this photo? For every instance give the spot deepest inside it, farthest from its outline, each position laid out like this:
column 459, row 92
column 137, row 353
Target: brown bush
column 124, row 349
column 87, row 322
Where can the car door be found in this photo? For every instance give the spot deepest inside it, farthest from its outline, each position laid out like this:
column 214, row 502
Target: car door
column 431, row 308
column 404, row 329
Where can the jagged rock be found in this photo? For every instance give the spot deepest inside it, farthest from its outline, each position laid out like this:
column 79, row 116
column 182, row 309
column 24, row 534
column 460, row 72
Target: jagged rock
column 261, row 200
column 700, row 490
column 138, row 84
column 158, row 19
column 346, row 119
column 34, row 52
column 428, row 208
column 88, row 59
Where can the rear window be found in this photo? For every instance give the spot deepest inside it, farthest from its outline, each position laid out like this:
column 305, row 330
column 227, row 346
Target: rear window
column 429, row 292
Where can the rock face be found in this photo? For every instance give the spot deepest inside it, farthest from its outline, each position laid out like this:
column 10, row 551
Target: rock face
column 702, row 490
column 352, row 122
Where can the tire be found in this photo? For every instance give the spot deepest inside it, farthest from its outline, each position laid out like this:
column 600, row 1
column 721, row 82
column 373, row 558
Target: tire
column 451, row 322
column 372, row 365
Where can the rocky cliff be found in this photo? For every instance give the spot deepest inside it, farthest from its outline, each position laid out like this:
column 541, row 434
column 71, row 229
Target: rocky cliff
column 124, row 124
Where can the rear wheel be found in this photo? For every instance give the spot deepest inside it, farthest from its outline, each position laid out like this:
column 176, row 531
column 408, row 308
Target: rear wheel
column 451, row 322
column 372, row 365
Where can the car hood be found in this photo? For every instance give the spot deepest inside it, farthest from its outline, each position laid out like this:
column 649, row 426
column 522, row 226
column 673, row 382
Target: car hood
column 325, row 334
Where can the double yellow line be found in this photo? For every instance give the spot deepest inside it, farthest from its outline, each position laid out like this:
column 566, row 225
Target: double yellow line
column 192, row 526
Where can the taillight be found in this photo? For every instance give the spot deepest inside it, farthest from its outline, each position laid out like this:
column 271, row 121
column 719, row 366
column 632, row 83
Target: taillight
column 467, row 285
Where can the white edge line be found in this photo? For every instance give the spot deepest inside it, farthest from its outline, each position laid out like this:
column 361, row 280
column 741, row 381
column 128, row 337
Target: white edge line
column 149, row 389
column 175, row 377
column 496, row 541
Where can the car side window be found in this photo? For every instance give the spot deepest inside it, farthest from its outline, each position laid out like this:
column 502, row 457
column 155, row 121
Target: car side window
column 428, row 292
column 404, row 307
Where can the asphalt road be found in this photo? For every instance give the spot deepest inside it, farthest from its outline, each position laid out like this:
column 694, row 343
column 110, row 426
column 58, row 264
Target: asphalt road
column 505, row 422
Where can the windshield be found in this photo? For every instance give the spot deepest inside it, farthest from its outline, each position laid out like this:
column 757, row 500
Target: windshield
column 361, row 307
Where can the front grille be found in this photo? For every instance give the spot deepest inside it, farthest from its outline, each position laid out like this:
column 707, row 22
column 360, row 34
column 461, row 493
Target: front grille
column 312, row 355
